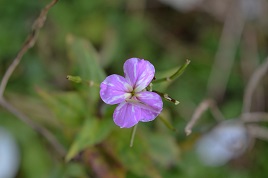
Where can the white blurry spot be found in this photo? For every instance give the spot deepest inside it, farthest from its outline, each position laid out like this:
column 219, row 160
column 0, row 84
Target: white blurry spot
column 224, row 142
column 9, row 155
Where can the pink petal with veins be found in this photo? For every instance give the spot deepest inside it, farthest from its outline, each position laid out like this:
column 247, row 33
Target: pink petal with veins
column 126, row 115
column 139, row 73
column 114, row 89
column 153, row 101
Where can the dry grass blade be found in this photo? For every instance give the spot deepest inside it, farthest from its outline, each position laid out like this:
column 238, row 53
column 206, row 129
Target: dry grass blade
column 202, row 107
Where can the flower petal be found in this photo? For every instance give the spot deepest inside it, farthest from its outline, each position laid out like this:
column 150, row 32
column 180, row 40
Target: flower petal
column 154, row 105
column 139, row 73
column 126, row 115
column 115, row 89
column 145, row 107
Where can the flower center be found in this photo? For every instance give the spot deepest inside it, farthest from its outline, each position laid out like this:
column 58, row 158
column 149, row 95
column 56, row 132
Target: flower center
column 132, row 93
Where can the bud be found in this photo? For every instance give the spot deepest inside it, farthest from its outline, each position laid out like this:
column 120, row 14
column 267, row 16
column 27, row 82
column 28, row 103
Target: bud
column 75, row 79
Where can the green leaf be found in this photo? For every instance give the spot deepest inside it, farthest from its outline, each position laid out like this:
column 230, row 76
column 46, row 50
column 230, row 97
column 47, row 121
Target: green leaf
column 34, row 107
column 68, row 107
column 93, row 132
column 137, row 158
column 86, row 65
column 64, row 170
column 86, row 58
column 163, row 149
column 109, row 47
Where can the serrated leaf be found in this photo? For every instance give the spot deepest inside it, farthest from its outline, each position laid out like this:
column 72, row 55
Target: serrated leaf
column 93, row 132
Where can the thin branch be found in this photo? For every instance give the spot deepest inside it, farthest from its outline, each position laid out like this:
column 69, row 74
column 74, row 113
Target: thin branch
column 217, row 114
column 249, row 64
column 29, row 43
column 258, row 132
column 255, row 117
column 252, row 84
column 41, row 130
column 202, row 107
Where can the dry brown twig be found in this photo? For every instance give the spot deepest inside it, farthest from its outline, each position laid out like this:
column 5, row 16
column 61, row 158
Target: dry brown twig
column 232, row 31
column 252, row 85
column 258, row 132
column 29, row 43
column 201, row 108
column 37, row 127
column 246, row 116
column 249, row 63
column 255, row 117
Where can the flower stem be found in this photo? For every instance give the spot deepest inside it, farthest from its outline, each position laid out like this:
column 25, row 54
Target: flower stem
column 175, row 75
column 133, row 133
column 77, row 79
column 167, row 123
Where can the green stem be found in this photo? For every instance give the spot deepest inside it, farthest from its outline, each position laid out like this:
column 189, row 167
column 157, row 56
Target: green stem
column 167, row 97
column 167, row 123
column 175, row 75
column 77, row 79
column 133, row 133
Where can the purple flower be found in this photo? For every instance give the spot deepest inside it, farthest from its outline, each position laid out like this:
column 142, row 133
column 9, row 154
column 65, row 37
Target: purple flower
column 135, row 103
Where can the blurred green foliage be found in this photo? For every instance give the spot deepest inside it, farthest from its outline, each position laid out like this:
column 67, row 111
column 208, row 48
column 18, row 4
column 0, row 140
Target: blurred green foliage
column 91, row 39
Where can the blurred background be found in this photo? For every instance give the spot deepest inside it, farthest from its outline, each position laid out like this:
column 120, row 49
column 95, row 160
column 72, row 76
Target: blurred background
column 225, row 40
